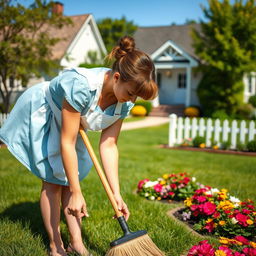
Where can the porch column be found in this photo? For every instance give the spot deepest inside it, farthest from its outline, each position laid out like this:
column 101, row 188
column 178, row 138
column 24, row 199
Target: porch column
column 155, row 101
column 188, row 86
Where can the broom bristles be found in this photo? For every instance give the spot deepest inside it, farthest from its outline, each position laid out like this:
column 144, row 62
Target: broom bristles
column 141, row 246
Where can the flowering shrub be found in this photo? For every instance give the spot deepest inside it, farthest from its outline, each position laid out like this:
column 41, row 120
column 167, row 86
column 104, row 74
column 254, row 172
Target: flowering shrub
column 239, row 246
column 170, row 186
column 216, row 212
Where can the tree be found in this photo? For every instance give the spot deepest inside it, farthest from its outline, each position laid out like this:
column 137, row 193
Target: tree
column 113, row 29
column 25, row 46
column 226, row 45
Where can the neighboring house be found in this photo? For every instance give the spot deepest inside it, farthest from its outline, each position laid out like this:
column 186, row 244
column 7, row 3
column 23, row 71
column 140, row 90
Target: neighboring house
column 175, row 60
column 76, row 41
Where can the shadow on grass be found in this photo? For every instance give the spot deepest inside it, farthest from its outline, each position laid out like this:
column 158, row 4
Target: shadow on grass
column 29, row 215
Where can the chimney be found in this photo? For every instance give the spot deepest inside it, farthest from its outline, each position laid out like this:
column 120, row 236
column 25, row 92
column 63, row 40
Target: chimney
column 58, row 8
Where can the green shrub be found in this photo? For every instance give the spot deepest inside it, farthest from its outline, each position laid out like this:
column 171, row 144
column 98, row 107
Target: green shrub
column 251, row 146
column 245, row 111
column 146, row 104
column 241, row 147
column 220, row 114
column 198, row 140
column 252, row 100
column 225, row 145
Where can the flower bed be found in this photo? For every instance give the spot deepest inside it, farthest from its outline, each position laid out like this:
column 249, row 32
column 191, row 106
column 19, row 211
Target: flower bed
column 216, row 212
column 239, row 246
column 169, row 187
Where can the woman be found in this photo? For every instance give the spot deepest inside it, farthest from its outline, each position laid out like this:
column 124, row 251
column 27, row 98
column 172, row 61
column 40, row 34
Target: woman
column 42, row 133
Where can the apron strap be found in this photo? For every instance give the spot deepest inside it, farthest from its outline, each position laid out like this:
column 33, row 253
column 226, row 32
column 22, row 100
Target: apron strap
column 54, row 108
column 118, row 109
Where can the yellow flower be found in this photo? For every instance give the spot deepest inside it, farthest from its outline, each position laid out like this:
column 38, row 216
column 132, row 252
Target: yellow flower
column 159, row 198
column 220, row 253
column 226, row 205
column 202, row 145
column 253, row 244
column 249, row 222
column 209, row 220
column 224, row 240
column 215, row 147
column 162, row 182
column 224, row 190
column 166, row 176
column 222, row 222
column 254, row 213
column 188, row 202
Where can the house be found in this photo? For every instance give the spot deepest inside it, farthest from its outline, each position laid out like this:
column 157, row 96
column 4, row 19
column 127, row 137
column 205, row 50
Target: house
column 170, row 47
column 76, row 40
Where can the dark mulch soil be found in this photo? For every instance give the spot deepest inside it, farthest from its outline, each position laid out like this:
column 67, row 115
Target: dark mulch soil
column 210, row 150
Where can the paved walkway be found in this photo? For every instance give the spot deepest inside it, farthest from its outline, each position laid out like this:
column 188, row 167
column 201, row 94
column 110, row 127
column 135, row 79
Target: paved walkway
column 148, row 121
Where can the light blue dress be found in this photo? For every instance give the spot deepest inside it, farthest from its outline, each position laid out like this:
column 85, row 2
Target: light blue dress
column 27, row 129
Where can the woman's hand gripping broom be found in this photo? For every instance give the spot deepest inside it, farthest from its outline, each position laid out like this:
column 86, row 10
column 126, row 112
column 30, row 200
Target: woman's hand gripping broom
column 131, row 243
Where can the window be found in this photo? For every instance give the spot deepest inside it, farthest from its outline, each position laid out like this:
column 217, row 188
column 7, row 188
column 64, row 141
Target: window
column 182, row 80
column 158, row 79
column 250, row 84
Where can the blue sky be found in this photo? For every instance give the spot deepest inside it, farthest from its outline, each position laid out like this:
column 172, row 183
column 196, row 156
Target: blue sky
column 141, row 12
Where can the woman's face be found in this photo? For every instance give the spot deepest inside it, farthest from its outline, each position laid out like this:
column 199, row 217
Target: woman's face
column 124, row 91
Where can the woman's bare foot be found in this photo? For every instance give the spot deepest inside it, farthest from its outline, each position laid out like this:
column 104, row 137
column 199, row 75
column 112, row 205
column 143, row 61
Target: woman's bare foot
column 78, row 248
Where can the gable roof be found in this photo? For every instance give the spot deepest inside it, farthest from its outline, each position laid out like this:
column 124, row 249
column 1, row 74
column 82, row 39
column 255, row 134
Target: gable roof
column 149, row 39
column 66, row 34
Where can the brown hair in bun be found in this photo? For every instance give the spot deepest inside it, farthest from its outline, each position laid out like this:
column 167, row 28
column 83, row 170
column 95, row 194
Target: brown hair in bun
column 134, row 66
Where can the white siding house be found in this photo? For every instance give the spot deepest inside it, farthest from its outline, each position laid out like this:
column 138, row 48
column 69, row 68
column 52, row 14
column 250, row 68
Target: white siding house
column 171, row 49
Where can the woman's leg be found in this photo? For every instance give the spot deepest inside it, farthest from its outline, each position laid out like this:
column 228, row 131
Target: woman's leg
column 74, row 224
column 50, row 209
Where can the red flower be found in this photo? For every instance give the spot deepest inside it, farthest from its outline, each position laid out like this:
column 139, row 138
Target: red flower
column 202, row 249
column 158, row 188
column 250, row 206
column 242, row 219
column 173, row 186
column 209, row 208
column 142, row 182
column 216, row 215
column 186, row 180
column 242, row 239
column 209, row 226
column 194, row 207
column 171, row 193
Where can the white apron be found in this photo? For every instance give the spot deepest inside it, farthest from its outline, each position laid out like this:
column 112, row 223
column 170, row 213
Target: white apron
column 93, row 120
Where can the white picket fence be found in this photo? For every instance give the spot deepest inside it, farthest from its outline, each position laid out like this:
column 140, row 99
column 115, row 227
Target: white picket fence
column 186, row 128
column 3, row 117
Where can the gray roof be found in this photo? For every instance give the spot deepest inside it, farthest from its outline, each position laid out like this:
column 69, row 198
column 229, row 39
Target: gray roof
column 149, row 39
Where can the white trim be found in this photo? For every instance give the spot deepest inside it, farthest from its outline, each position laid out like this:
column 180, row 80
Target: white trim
column 80, row 33
column 171, row 65
column 169, row 43
column 188, row 86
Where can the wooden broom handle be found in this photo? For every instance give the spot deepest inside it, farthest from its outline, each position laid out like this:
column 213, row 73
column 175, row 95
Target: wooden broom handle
column 100, row 171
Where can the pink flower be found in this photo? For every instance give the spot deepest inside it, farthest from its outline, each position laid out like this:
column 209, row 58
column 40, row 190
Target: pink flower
column 249, row 251
column 245, row 211
column 226, row 250
column 209, row 208
column 201, row 199
column 142, row 182
column 158, row 188
column 171, row 193
column 202, row 249
column 242, row 239
column 193, row 207
column 242, row 219
column 238, row 254
column 186, row 180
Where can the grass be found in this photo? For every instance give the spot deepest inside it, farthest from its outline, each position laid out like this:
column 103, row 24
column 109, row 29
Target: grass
column 22, row 231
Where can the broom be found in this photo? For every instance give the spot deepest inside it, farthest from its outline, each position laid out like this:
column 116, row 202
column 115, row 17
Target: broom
column 131, row 243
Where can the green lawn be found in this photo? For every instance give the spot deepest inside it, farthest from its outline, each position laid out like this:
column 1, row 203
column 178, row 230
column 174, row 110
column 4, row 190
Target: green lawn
column 22, row 231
